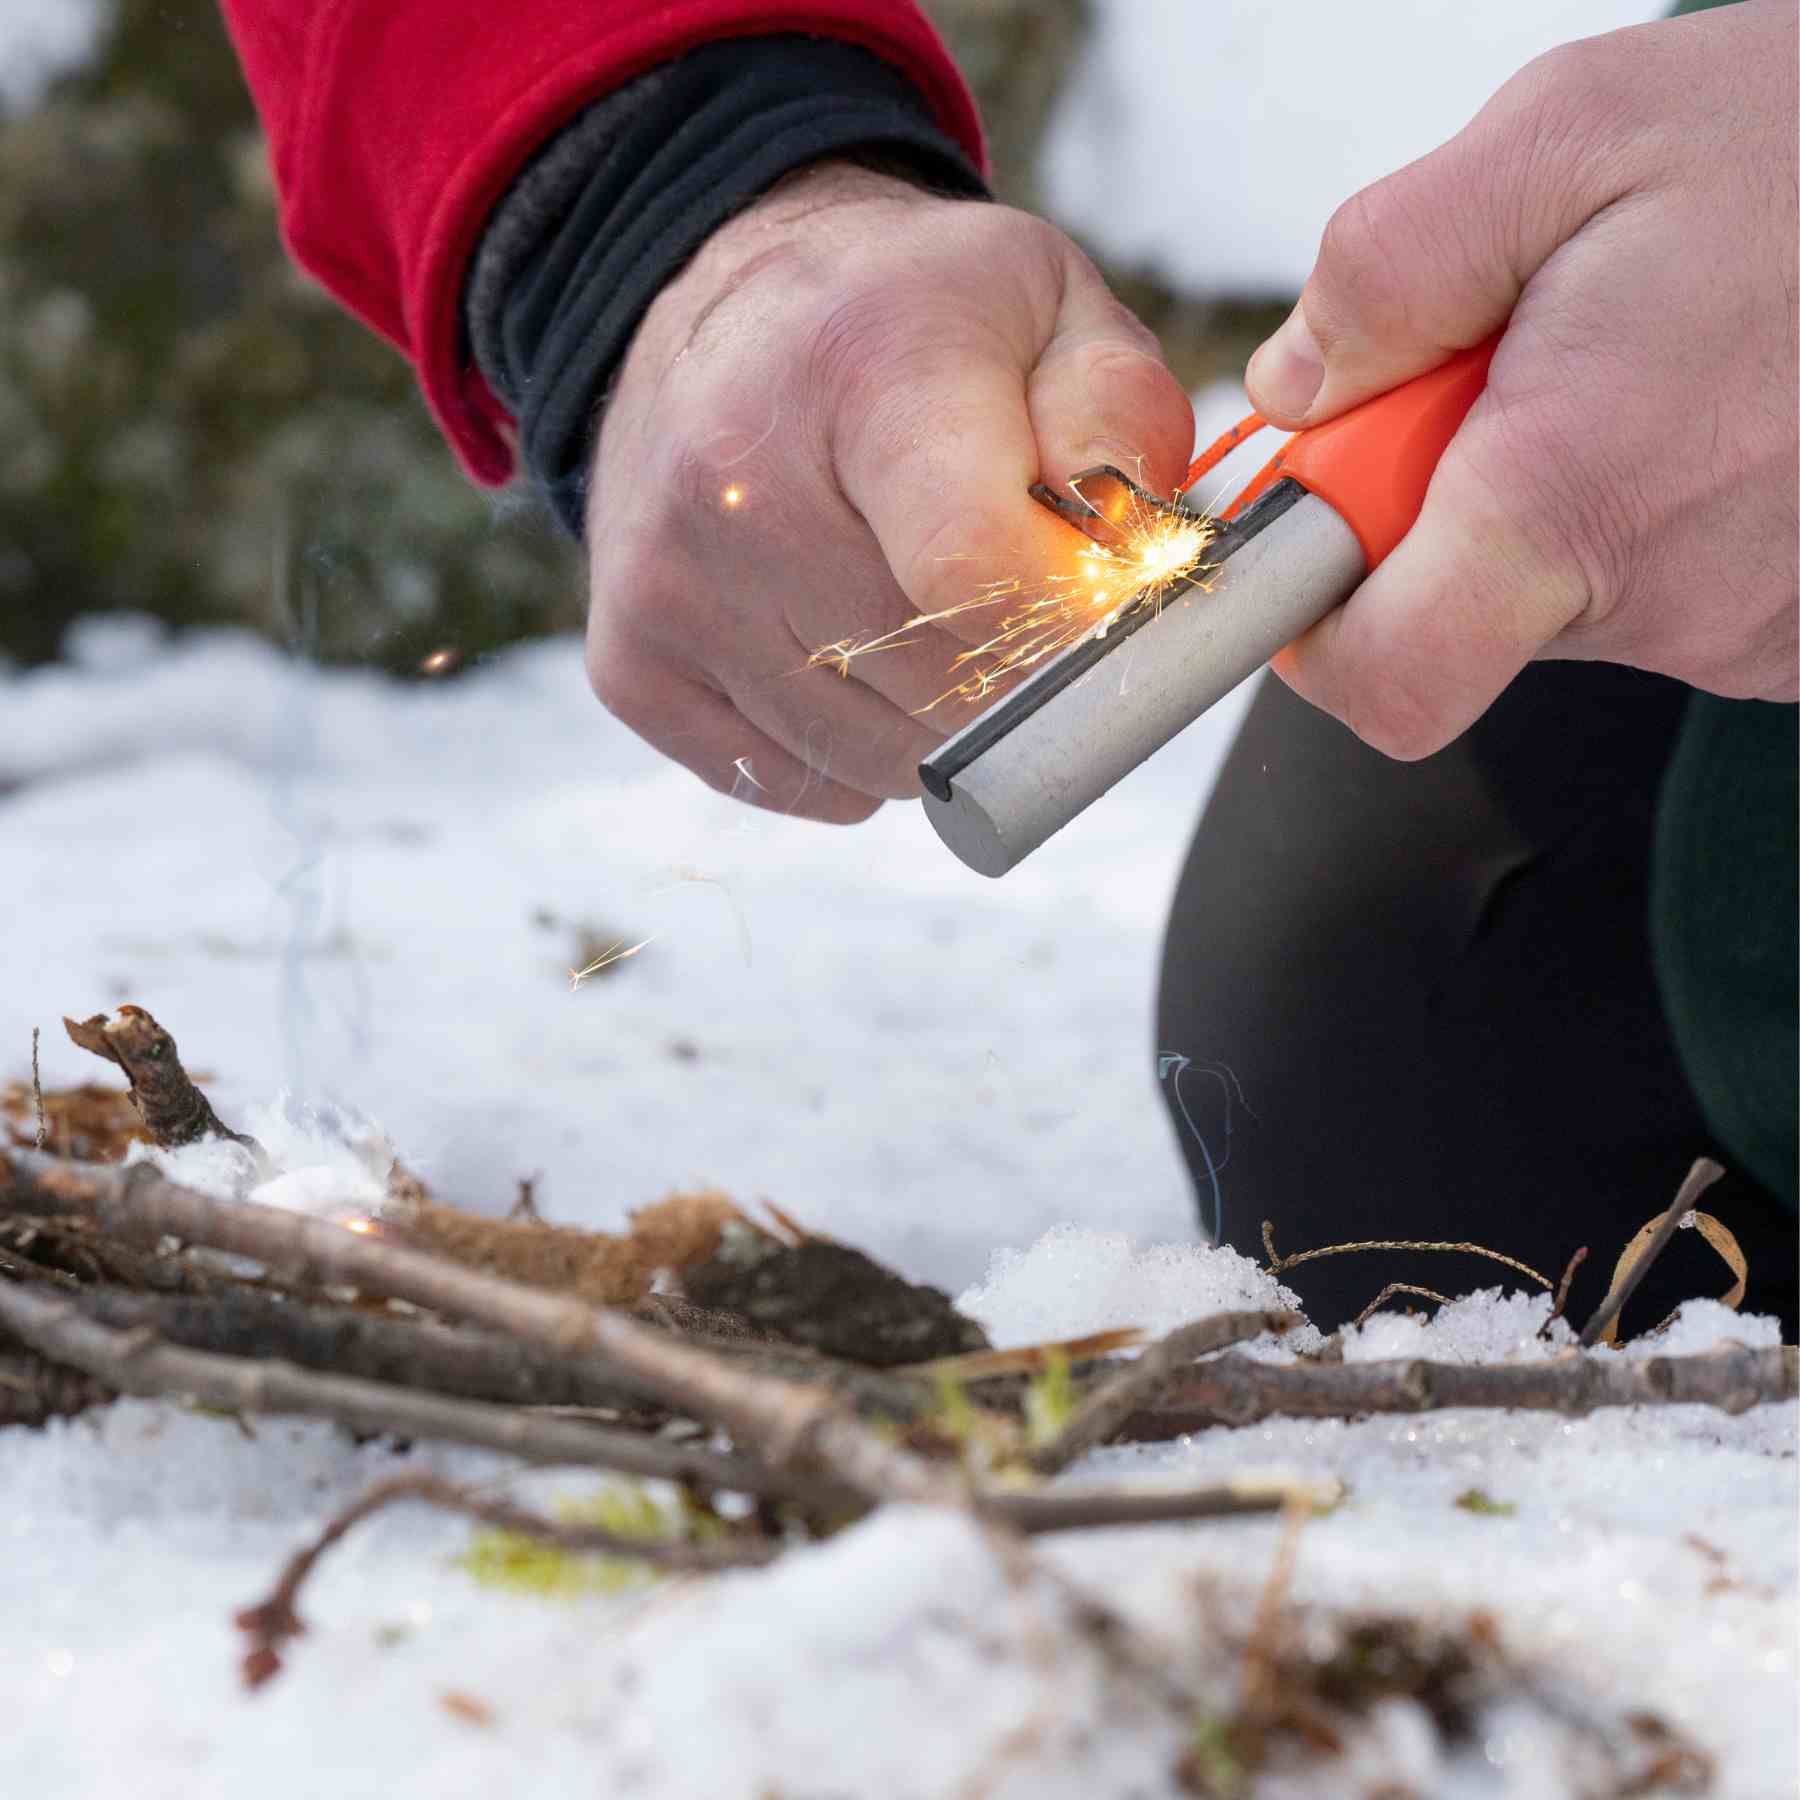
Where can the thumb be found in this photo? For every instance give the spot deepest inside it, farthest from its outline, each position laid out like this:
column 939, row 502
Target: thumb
column 1101, row 392
column 1432, row 259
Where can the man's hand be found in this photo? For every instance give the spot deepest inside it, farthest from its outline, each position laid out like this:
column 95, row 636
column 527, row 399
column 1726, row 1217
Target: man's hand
column 1626, row 488
column 824, row 427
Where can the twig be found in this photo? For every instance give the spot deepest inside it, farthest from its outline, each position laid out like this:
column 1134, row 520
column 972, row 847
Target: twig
column 37, row 1093
column 417, row 1353
column 1261, row 1680
column 1278, row 1264
column 1625, row 1280
column 1114, row 1401
column 1399, row 1287
column 273, row 1622
column 134, row 1362
column 1033, row 1513
column 781, row 1423
column 1236, row 1390
column 1562, row 1291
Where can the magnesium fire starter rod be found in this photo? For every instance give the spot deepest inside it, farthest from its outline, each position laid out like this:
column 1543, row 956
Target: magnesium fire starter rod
column 1305, row 533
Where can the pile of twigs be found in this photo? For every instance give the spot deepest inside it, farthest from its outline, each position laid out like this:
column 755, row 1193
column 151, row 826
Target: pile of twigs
column 115, row 1279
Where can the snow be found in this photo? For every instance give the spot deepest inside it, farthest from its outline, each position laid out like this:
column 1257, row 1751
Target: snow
column 39, row 39
column 331, row 888
column 1075, row 1280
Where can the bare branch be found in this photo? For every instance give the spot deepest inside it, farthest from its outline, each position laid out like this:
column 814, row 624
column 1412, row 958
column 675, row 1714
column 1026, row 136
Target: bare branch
column 273, row 1622
column 1033, row 1512
column 1234, row 1390
column 134, row 1362
column 1136, row 1386
column 37, row 1093
column 1562, row 1291
column 780, row 1423
column 416, row 1352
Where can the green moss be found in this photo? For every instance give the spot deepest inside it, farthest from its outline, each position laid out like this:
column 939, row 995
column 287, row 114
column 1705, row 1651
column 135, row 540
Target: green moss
column 1478, row 1500
column 522, row 1564
column 1049, row 1400
column 1215, row 1764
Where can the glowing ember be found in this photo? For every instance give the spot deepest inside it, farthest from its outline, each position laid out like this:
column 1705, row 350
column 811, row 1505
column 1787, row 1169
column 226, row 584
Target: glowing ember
column 1161, row 551
column 362, row 1227
column 440, row 662
column 732, row 498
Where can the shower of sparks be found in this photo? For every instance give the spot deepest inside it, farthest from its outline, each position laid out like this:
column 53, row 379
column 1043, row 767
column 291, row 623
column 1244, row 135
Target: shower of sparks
column 1163, row 550
column 605, row 960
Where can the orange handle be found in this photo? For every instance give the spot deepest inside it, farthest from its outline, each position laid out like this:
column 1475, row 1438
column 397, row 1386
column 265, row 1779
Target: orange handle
column 1374, row 463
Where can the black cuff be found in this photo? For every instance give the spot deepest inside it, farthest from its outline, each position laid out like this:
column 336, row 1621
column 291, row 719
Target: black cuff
column 612, row 207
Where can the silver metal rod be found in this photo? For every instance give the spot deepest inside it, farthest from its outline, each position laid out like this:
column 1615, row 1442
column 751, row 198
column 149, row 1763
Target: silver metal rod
column 1026, row 786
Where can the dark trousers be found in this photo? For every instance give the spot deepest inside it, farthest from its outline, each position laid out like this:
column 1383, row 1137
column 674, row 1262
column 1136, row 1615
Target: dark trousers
column 1415, row 1001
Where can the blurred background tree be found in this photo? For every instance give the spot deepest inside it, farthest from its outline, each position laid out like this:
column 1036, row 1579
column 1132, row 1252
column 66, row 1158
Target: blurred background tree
column 191, row 428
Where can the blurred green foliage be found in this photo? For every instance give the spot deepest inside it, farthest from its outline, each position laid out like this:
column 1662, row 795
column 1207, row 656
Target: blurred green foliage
column 189, row 426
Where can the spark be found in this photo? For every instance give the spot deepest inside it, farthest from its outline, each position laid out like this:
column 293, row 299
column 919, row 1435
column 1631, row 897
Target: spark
column 362, row 1227
column 605, row 960
column 732, row 498
column 441, row 662
column 1162, row 552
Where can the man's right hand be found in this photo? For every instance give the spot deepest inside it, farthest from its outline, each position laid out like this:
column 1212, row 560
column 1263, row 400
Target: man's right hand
column 825, row 426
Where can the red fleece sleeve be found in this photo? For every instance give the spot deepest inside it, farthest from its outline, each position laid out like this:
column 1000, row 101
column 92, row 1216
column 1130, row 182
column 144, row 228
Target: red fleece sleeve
column 395, row 125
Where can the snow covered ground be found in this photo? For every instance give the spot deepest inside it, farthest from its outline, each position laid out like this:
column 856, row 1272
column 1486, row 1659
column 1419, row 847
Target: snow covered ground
column 334, row 883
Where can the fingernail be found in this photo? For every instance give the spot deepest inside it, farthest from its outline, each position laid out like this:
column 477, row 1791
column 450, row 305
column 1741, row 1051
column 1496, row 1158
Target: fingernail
column 1285, row 375
column 1097, row 450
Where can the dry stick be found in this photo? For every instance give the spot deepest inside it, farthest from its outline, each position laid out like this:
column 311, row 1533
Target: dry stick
column 1235, row 1390
column 133, row 1362
column 1260, row 1680
column 418, row 1353
column 37, row 1093
column 272, row 1622
column 1697, row 1180
column 1137, row 1386
column 1277, row 1264
column 780, row 1422
column 1562, row 1291
column 1033, row 1513
column 1398, row 1287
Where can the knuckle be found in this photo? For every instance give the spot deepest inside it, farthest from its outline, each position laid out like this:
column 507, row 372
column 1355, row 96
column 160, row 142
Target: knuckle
column 1567, row 506
column 1366, row 271
column 1132, row 379
column 1402, row 718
